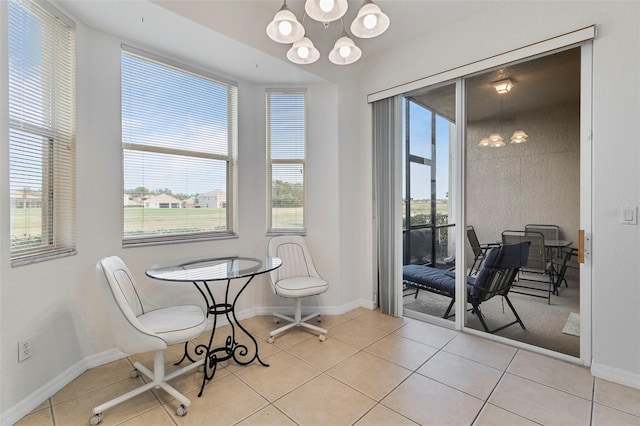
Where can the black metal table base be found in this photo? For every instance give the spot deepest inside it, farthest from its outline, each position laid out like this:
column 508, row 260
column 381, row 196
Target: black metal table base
column 231, row 349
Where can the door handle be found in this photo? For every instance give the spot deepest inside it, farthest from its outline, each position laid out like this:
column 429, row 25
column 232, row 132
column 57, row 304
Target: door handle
column 584, row 246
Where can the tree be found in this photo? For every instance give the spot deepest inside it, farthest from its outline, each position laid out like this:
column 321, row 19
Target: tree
column 139, row 192
column 286, row 194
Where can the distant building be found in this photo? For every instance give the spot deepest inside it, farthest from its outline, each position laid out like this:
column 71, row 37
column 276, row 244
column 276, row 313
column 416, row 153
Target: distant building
column 25, row 200
column 162, row 201
column 130, row 202
column 213, row 200
column 189, row 202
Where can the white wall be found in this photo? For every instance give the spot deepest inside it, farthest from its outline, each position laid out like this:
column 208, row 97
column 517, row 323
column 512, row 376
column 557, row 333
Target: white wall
column 57, row 302
column 616, row 151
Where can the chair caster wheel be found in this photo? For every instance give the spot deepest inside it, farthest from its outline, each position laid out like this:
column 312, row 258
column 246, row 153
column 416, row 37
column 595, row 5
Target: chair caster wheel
column 276, row 320
column 322, row 337
column 96, row 419
column 181, row 411
column 271, row 339
column 133, row 374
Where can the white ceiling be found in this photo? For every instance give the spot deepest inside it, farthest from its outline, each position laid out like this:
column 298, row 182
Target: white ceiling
column 241, row 24
column 246, row 20
column 229, row 36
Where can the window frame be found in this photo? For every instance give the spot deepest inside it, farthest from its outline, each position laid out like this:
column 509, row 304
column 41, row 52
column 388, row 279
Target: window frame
column 271, row 230
column 230, row 158
column 57, row 40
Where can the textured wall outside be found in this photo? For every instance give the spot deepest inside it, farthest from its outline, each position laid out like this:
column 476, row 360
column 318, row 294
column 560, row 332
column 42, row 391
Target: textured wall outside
column 535, row 182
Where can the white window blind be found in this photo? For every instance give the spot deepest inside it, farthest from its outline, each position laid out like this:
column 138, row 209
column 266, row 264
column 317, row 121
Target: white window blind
column 179, row 134
column 41, row 132
column 286, row 158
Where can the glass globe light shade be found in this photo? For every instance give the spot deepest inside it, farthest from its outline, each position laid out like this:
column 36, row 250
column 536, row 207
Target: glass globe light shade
column 303, row 52
column 285, row 28
column 370, row 21
column 326, row 10
column 345, row 46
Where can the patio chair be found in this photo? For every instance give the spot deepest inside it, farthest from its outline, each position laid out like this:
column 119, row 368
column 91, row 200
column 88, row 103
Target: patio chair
column 495, row 278
column 479, row 250
column 562, row 267
column 537, row 264
column 550, row 232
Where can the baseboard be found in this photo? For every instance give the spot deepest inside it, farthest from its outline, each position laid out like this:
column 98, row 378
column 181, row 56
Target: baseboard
column 27, row 405
column 615, row 375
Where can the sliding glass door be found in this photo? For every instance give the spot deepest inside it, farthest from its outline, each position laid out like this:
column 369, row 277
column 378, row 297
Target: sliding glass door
column 522, row 183
column 517, row 162
column 428, row 224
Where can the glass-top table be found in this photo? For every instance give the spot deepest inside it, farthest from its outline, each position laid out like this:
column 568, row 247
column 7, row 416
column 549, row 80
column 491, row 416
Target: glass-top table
column 204, row 273
column 215, row 269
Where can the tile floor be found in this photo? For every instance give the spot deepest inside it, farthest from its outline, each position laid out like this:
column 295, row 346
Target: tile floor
column 373, row 369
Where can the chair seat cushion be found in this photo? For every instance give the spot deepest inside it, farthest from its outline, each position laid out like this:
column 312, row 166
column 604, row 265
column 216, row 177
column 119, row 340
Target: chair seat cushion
column 301, row 286
column 175, row 324
column 430, row 279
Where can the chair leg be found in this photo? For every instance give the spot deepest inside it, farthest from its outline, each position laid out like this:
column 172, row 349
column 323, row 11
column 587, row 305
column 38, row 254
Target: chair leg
column 514, row 312
column 158, row 379
column 476, row 310
column 297, row 321
column 446, row 314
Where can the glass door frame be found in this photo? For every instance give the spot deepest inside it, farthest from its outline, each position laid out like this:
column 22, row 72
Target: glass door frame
column 586, row 207
column 580, row 38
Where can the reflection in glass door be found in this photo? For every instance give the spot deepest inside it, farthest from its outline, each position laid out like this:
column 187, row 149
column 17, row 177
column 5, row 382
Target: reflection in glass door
column 427, row 211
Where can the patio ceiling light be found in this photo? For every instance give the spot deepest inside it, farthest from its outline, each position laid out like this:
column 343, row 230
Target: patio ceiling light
column 519, row 136
column 495, row 140
column 503, row 86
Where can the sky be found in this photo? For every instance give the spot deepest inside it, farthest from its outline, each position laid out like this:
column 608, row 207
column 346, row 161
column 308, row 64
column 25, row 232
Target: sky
column 420, row 145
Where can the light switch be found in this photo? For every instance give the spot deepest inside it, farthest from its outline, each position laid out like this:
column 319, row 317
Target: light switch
column 629, row 215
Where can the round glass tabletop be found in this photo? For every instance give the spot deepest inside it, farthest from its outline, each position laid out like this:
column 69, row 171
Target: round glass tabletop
column 220, row 268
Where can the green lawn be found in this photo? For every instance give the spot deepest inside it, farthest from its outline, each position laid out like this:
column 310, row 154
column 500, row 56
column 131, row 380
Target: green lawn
column 27, row 223
column 138, row 220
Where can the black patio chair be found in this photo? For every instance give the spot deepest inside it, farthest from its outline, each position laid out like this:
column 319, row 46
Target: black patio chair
column 495, row 278
column 479, row 250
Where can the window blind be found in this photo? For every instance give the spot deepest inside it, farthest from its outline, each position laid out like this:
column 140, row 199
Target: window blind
column 286, row 151
column 41, row 132
column 179, row 135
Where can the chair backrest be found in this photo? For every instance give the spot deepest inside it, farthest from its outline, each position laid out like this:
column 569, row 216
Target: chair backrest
column 550, row 232
column 537, row 261
column 296, row 259
column 473, row 241
column 499, row 270
column 124, row 305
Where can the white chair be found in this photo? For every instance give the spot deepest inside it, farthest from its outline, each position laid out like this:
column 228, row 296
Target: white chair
column 138, row 326
column 296, row 278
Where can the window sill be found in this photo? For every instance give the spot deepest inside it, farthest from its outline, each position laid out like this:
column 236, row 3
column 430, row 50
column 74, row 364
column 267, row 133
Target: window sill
column 41, row 257
column 179, row 240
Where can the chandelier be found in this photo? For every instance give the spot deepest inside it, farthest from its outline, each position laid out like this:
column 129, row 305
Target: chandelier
column 285, row 28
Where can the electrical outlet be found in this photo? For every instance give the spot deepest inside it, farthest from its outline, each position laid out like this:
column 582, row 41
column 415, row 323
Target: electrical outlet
column 25, row 350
